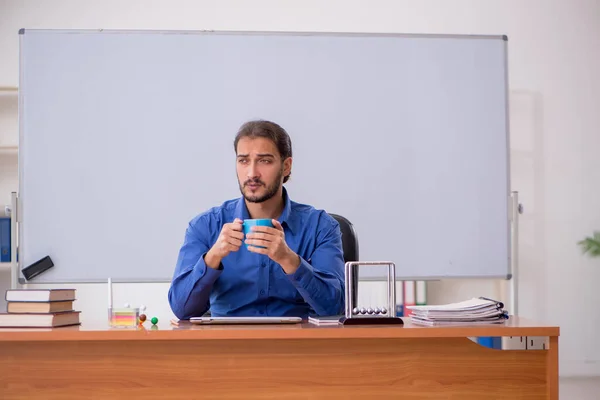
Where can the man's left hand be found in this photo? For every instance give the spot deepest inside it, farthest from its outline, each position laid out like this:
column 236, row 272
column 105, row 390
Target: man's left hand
column 273, row 242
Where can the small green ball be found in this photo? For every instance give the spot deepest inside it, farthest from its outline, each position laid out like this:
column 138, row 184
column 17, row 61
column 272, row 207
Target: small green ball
column 154, row 320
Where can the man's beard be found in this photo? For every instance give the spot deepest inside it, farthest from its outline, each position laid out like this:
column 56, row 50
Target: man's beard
column 271, row 190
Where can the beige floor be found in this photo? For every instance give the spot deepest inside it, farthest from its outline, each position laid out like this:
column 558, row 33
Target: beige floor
column 579, row 388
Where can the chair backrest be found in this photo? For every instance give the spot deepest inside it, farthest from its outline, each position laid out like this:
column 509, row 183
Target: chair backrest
column 350, row 248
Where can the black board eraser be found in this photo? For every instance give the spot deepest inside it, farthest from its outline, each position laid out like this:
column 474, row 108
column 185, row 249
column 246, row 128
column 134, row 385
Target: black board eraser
column 37, row 268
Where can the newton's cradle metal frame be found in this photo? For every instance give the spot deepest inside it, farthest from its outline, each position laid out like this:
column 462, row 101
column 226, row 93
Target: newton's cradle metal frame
column 368, row 316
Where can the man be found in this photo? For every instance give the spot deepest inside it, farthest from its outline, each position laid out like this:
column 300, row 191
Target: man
column 298, row 270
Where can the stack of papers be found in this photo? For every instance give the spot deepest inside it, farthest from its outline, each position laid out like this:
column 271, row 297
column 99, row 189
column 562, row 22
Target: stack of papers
column 477, row 311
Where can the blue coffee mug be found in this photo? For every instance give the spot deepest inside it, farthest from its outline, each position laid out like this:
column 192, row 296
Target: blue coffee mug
column 249, row 223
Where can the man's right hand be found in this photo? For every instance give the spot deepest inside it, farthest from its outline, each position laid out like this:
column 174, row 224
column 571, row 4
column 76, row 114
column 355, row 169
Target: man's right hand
column 230, row 239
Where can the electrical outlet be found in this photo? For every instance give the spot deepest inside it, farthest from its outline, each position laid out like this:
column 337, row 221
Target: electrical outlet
column 537, row 342
column 514, row 343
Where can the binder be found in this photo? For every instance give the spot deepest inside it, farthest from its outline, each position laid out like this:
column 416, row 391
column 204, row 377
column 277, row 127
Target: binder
column 399, row 310
column 409, row 297
column 421, row 293
column 399, row 299
column 5, row 254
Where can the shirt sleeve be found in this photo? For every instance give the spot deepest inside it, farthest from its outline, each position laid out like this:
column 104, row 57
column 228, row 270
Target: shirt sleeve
column 320, row 280
column 189, row 294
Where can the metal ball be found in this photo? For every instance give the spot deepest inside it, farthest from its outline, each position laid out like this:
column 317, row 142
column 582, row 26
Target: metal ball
column 355, row 310
column 369, row 311
column 363, row 310
column 383, row 310
column 377, row 310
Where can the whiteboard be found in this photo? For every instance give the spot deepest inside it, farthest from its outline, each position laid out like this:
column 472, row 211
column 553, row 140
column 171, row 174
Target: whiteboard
column 125, row 136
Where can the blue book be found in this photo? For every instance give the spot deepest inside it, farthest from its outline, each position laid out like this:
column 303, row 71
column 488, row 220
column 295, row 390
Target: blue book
column 5, row 239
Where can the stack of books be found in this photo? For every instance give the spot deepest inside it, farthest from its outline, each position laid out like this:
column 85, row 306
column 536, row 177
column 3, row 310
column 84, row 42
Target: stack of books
column 39, row 308
column 477, row 311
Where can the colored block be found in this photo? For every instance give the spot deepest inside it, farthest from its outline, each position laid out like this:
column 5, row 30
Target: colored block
column 491, row 342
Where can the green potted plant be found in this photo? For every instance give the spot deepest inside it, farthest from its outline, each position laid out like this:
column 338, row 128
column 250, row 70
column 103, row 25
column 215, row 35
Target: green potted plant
column 591, row 245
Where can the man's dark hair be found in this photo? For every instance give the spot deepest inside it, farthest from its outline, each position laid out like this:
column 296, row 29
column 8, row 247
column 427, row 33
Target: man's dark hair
column 271, row 131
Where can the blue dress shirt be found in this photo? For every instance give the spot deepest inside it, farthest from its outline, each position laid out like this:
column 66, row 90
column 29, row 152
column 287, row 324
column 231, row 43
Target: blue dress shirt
column 251, row 284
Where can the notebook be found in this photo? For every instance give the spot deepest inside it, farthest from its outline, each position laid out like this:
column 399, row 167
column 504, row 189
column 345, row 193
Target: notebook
column 244, row 320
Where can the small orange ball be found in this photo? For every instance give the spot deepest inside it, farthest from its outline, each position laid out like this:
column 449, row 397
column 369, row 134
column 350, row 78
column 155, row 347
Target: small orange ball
column 142, row 317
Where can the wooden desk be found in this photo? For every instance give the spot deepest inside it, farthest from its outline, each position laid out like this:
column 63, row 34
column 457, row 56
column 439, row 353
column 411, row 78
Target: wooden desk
column 276, row 362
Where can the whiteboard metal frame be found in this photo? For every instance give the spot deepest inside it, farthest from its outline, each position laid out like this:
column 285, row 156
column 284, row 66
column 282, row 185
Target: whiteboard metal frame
column 22, row 31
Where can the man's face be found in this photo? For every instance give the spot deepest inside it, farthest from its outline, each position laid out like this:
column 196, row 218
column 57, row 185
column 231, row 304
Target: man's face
column 260, row 170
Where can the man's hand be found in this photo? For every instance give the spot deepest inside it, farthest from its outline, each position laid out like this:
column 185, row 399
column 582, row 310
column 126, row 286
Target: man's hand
column 273, row 242
column 230, row 239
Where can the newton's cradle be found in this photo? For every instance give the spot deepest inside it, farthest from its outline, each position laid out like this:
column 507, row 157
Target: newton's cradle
column 355, row 315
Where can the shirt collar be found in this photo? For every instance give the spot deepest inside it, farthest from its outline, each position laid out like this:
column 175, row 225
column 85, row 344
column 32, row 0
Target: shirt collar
column 286, row 217
column 241, row 211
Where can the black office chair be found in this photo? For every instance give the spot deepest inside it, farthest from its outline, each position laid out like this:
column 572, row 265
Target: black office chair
column 350, row 248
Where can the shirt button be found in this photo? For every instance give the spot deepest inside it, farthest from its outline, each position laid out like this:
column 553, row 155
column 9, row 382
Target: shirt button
column 263, row 265
column 262, row 291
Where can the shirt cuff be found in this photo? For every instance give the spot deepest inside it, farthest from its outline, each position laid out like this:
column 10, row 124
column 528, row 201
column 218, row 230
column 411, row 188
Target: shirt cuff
column 203, row 271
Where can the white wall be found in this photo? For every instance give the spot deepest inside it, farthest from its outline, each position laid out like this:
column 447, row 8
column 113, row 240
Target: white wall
column 8, row 137
column 554, row 56
column 8, row 166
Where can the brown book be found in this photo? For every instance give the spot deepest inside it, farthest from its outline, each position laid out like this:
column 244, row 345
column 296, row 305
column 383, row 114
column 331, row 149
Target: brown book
column 40, row 295
column 44, row 320
column 39, row 307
